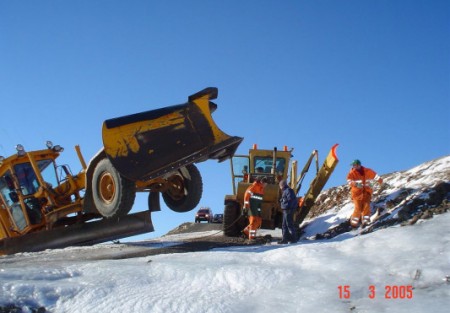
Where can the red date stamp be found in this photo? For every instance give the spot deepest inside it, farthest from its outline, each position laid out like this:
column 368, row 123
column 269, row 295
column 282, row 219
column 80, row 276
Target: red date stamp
column 391, row 292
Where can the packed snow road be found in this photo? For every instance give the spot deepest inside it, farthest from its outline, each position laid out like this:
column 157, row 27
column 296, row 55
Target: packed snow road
column 399, row 269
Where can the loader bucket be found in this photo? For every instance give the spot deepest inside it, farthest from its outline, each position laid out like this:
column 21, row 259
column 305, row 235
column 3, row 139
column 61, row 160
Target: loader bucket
column 150, row 144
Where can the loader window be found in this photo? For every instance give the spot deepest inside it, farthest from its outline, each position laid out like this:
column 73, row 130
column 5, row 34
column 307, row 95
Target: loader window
column 48, row 172
column 27, row 178
column 240, row 166
column 240, row 170
column 6, row 188
column 18, row 216
column 28, row 181
column 266, row 164
column 9, row 196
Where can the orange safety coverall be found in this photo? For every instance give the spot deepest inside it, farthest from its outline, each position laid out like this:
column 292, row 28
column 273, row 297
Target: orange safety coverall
column 361, row 182
column 252, row 202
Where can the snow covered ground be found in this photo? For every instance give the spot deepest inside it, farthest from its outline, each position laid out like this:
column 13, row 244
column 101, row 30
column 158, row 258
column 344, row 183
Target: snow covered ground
column 400, row 269
column 397, row 269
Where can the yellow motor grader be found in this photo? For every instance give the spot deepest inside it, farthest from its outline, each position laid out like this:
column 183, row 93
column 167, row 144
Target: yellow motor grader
column 44, row 205
column 275, row 165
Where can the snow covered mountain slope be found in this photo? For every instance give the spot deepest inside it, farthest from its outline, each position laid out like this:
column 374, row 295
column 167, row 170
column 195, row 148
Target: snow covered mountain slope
column 404, row 198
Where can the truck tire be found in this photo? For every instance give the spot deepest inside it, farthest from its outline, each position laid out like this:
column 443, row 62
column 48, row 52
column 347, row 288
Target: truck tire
column 112, row 193
column 233, row 221
column 185, row 190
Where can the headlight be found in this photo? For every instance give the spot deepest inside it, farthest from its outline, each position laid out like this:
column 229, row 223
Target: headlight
column 58, row 148
column 20, row 150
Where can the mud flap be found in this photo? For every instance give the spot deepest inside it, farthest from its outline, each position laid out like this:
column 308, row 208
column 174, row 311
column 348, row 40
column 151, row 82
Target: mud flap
column 317, row 185
column 80, row 234
column 150, row 144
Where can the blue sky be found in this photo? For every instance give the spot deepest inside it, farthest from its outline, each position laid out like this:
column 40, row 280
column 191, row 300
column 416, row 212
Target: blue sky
column 373, row 76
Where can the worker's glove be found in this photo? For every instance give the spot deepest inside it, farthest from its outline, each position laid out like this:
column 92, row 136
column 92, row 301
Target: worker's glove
column 245, row 212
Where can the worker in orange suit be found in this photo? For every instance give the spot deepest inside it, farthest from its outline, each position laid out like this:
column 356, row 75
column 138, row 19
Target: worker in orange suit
column 361, row 180
column 253, row 198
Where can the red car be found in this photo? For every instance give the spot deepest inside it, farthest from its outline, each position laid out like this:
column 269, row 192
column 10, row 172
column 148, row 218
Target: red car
column 204, row 214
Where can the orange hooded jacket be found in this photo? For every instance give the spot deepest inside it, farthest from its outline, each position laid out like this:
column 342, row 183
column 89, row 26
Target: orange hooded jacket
column 361, row 182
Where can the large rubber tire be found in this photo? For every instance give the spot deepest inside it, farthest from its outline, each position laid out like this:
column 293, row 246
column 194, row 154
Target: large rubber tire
column 112, row 193
column 233, row 221
column 185, row 190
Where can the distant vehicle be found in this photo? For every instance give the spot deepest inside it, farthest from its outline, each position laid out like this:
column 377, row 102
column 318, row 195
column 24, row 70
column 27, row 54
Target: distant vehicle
column 204, row 214
column 218, row 218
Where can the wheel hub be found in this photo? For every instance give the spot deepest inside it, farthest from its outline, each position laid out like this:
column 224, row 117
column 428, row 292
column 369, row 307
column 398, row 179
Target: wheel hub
column 107, row 188
column 176, row 187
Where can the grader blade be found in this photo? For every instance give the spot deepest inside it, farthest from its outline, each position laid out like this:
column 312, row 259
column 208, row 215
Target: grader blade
column 317, row 185
column 150, row 144
column 80, row 234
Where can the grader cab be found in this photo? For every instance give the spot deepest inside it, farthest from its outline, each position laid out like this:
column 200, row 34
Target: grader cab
column 44, row 205
column 275, row 165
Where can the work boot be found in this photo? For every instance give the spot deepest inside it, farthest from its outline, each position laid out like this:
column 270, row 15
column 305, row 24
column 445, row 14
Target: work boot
column 354, row 222
column 283, row 242
column 293, row 241
column 365, row 221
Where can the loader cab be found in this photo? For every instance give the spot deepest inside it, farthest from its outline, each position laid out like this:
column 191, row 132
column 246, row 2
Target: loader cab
column 21, row 201
column 22, row 211
column 271, row 164
column 19, row 189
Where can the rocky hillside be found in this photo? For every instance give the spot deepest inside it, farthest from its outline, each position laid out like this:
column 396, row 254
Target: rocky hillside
column 404, row 198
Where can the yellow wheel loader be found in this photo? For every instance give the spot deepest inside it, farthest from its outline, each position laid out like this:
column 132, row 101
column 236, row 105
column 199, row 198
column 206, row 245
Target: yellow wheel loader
column 44, row 205
column 275, row 165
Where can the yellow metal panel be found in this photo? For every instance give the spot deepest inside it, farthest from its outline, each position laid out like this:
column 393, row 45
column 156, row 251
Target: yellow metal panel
column 203, row 104
column 122, row 140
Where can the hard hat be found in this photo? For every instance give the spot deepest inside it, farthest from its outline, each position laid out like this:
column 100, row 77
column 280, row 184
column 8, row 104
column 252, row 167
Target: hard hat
column 356, row 162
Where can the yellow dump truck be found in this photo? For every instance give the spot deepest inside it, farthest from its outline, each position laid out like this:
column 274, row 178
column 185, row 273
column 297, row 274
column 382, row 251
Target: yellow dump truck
column 44, row 205
column 275, row 165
